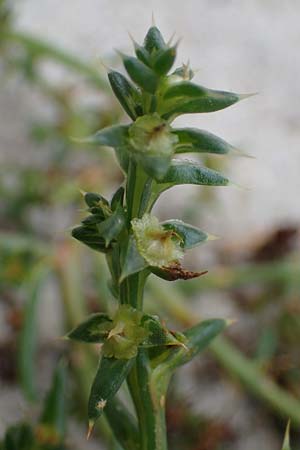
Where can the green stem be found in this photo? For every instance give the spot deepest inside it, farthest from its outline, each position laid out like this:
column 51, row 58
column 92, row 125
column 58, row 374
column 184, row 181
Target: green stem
column 149, row 405
column 150, row 412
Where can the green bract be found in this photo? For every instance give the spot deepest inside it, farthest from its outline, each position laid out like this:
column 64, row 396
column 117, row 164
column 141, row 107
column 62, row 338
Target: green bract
column 135, row 346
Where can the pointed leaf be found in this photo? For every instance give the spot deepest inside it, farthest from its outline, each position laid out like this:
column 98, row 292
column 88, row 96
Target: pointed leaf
column 197, row 339
column 192, row 140
column 142, row 54
column 115, row 136
column 54, row 411
column 93, row 219
column 286, row 442
column 158, row 334
column 133, row 261
column 141, row 74
column 93, row 329
column 189, row 172
column 109, row 377
column 186, row 97
column 191, row 236
column 92, row 199
column 154, row 40
column 127, row 94
column 164, row 60
column 201, row 335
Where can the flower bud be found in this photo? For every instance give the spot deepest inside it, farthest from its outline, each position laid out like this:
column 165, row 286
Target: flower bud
column 152, row 135
column 126, row 334
column 159, row 247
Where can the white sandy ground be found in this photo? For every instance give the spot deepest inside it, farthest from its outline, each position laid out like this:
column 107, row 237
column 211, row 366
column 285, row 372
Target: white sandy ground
column 236, row 45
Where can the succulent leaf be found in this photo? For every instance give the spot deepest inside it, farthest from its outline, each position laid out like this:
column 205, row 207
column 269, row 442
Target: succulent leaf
column 187, row 98
column 189, row 172
column 109, row 377
column 192, row 140
column 164, row 60
column 127, row 94
column 154, row 40
column 141, row 74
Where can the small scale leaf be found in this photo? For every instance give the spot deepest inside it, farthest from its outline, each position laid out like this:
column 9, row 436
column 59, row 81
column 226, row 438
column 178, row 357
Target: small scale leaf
column 109, row 377
column 189, row 172
column 128, row 96
column 141, row 74
column 93, row 330
column 117, row 198
column 110, row 228
column 184, row 73
column 93, row 219
column 142, row 54
column 89, row 236
column 186, row 98
column 133, row 261
column 154, row 40
column 191, row 236
column 192, row 140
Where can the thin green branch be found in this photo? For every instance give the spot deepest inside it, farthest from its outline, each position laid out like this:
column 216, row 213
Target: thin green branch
column 235, row 363
column 42, row 49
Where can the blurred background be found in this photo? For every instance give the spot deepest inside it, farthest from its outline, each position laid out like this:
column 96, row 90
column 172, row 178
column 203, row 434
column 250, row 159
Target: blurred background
column 240, row 394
